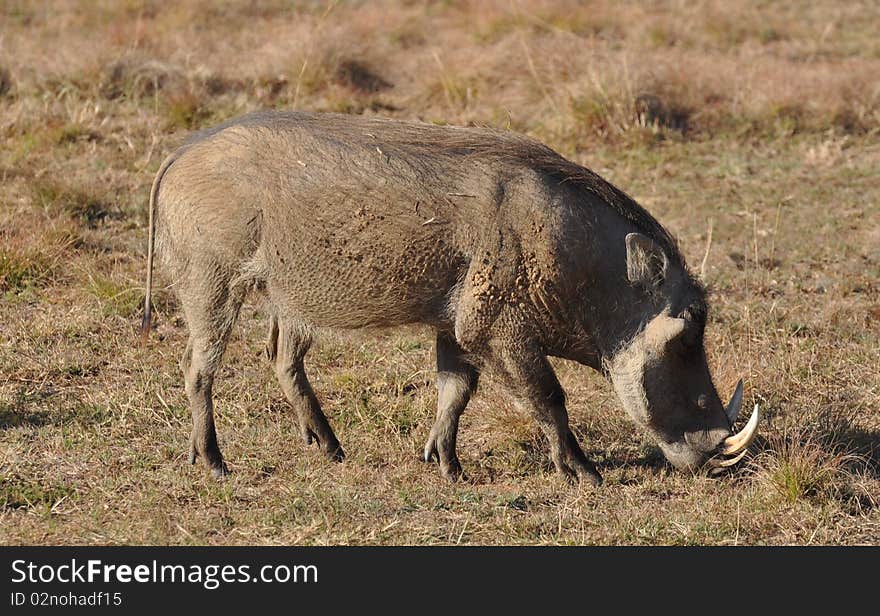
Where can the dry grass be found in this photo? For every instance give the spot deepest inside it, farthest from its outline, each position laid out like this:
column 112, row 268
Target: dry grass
column 756, row 121
column 802, row 468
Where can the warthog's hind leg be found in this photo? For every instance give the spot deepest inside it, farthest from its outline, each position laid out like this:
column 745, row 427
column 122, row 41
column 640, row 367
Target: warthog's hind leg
column 211, row 311
column 456, row 381
column 287, row 345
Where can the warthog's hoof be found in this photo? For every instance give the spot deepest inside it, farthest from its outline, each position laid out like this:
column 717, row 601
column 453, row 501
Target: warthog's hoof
column 332, row 450
column 334, row 455
column 329, row 445
column 220, row 472
column 215, row 462
column 580, row 474
column 593, row 479
column 450, row 469
column 572, row 464
column 452, row 472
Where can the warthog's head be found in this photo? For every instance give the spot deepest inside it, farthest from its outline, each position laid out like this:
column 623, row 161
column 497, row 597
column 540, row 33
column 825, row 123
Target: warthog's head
column 661, row 374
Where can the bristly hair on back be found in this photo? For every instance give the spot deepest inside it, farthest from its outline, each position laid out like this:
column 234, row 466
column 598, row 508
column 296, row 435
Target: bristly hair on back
column 520, row 149
column 455, row 141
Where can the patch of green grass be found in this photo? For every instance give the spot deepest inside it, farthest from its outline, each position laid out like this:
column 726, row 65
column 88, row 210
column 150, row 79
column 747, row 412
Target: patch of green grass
column 186, row 110
column 661, row 36
column 800, row 469
column 116, row 298
column 23, row 268
column 20, row 493
column 22, row 148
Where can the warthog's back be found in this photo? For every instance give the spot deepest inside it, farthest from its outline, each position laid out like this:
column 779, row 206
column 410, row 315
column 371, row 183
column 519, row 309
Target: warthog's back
column 347, row 221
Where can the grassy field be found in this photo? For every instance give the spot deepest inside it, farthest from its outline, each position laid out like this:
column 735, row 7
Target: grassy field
column 750, row 129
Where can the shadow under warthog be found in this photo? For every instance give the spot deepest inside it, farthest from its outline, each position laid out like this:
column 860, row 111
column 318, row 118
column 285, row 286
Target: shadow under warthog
column 47, row 406
column 862, row 446
column 24, row 409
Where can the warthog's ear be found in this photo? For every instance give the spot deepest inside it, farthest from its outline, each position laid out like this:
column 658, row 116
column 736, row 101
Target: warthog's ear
column 645, row 260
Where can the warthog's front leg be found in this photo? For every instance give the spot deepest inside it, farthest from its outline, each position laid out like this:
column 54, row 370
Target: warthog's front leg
column 456, row 381
column 530, row 379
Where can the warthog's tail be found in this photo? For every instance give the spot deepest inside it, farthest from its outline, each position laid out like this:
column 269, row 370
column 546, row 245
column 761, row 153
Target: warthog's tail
column 151, row 245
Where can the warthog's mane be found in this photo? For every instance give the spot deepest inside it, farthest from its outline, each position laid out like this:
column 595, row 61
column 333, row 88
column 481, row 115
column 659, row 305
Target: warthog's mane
column 516, row 149
column 420, row 141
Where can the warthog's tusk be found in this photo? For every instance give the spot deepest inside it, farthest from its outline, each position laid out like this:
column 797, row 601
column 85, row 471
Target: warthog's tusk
column 739, row 441
column 732, row 410
column 729, row 461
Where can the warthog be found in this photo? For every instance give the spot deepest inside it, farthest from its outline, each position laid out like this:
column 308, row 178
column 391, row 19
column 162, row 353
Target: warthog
column 509, row 251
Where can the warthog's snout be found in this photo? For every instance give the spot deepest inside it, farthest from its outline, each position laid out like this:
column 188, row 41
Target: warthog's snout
column 717, row 449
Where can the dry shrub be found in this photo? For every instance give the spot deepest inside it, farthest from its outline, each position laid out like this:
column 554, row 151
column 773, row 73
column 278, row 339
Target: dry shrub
column 72, row 133
column 270, row 88
column 135, row 76
column 360, row 78
column 186, row 97
column 85, row 203
column 652, row 111
column 636, row 102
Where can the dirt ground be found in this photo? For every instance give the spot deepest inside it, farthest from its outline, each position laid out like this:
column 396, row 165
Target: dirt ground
column 751, row 130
